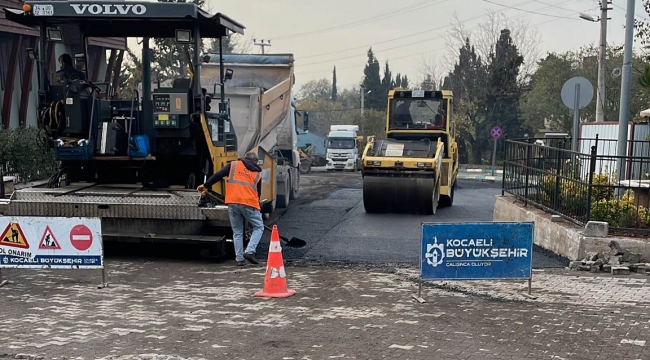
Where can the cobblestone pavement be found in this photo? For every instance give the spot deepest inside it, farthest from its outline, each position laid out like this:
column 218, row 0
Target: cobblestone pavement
column 168, row 310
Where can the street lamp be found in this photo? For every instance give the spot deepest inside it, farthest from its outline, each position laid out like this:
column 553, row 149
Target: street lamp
column 363, row 98
column 584, row 16
column 602, row 58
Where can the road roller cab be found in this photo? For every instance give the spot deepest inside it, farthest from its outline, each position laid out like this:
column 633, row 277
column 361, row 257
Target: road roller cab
column 414, row 169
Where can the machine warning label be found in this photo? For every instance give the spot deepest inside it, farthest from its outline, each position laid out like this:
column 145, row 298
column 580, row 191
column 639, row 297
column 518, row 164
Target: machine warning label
column 13, row 236
column 394, row 149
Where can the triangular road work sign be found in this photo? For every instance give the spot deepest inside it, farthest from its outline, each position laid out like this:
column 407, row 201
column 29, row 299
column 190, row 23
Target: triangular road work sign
column 48, row 241
column 13, row 236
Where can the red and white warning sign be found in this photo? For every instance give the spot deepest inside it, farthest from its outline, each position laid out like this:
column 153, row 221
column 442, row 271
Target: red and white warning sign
column 48, row 240
column 81, row 237
column 52, row 250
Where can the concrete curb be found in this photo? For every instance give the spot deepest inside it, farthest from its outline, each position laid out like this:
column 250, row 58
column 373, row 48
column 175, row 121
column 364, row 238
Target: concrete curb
column 479, row 178
column 480, row 171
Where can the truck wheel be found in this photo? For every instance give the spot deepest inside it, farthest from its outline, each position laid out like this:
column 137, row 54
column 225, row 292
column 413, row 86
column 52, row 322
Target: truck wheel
column 283, row 200
column 305, row 166
column 295, row 186
column 268, row 209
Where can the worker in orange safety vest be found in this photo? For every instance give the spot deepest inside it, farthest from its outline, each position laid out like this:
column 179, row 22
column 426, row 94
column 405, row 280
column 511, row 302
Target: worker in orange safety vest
column 243, row 191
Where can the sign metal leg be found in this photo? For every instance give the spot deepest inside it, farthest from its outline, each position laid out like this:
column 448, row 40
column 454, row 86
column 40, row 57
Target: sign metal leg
column 529, row 293
column 103, row 284
column 3, row 282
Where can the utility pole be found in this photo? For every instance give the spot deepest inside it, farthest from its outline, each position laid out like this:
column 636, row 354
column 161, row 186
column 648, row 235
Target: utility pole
column 602, row 62
column 262, row 44
column 626, row 84
column 602, row 57
column 363, row 98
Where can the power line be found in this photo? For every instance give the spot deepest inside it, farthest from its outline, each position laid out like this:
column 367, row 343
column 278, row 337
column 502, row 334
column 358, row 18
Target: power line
column 529, row 11
column 410, row 55
column 407, row 36
column 382, row 16
column 555, row 6
column 635, row 14
column 392, row 48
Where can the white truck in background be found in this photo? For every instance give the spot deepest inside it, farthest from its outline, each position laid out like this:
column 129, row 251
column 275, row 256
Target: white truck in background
column 343, row 146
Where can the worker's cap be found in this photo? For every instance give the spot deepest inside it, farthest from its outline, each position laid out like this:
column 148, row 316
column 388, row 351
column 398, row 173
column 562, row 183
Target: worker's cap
column 251, row 156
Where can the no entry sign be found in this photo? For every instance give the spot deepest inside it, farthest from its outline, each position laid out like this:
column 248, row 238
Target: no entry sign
column 81, row 237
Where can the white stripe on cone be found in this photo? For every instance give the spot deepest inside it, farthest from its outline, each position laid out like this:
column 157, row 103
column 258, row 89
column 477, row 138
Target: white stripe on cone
column 275, row 273
column 275, row 246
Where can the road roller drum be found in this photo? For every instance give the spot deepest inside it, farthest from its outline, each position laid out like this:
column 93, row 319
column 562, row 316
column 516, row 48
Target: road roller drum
column 398, row 194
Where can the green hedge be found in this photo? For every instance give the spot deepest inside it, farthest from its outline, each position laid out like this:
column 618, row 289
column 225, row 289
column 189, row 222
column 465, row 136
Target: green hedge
column 24, row 155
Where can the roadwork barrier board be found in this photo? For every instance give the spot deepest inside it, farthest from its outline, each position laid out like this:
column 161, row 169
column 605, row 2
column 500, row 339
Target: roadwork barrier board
column 46, row 242
column 476, row 251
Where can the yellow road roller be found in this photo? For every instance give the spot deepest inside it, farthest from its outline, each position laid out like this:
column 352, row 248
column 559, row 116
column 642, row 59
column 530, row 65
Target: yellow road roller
column 414, row 169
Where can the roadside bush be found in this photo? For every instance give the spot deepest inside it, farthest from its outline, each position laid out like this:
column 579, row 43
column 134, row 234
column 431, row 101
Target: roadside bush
column 621, row 212
column 573, row 194
column 602, row 188
column 24, row 156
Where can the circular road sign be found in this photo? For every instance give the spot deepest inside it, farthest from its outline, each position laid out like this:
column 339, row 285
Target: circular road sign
column 81, row 237
column 496, row 132
column 569, row 92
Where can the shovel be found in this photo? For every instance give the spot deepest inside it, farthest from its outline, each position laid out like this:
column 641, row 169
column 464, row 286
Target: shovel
column 294, row 242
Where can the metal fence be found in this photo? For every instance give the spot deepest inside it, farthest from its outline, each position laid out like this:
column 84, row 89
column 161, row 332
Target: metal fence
column 582, row 186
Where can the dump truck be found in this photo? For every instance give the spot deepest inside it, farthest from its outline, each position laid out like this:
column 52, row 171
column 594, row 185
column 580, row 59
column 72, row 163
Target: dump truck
column 414, row 169
column 264, row 112
column 135, row 162
column 343, row 151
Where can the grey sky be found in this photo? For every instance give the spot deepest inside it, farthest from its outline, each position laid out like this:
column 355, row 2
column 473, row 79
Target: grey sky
column 296, row 26
column 283, row 21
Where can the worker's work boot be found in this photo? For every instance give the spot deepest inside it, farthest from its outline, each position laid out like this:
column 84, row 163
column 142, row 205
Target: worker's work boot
column 251, row 258
column 241, row 263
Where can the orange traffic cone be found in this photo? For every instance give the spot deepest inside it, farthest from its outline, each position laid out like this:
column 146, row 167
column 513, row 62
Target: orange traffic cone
column 275, row 280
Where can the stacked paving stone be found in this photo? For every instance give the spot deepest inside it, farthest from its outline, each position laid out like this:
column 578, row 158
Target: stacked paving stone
column 617, row 262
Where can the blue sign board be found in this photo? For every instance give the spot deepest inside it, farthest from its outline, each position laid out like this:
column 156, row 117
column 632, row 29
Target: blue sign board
column 476, row 251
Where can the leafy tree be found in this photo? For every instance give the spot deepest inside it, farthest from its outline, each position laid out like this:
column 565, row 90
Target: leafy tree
column 486, row 35
column 398, row 80
column 542, row 104
column 405, row 82
column 504, row 92
column 350, row 98
column 323, row 113
column 428, row 83
column 387, row 81
column 229, row 44
column 130, row 75
column 334, row 90
column 643, row 26
column 315, row 90
column 372, row 82
column 169, row 56
column 468, row 82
